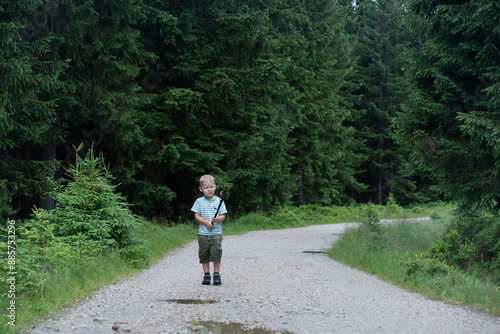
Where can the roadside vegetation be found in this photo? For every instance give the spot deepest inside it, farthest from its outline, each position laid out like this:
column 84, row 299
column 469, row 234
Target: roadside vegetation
column 437, row 258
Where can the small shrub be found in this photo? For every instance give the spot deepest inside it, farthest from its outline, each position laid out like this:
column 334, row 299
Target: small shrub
column 38, row 250
column 393, row 207
column 488, row 240
column 420, row 264
column 469, row 241
column 88, row 204
column 287, row 216
column 135, row 255
column 89, row 220
column 341, row 212
column 418, row 210
column 373, row 228
column 435, row 216
column 257, row 220
column 371, row 221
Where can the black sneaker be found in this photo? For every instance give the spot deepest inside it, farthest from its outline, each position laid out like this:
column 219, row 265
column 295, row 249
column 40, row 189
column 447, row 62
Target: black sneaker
column 217, row 280
column 206, row 280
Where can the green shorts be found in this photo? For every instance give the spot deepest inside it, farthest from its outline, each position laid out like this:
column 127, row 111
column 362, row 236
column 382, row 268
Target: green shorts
column 210, row 248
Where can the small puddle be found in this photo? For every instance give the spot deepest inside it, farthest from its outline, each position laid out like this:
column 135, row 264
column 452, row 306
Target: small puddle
column 209, row 327
column 191, row 301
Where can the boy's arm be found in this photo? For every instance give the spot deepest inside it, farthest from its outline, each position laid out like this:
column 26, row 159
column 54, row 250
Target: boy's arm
column 202, row 220
column 219, row 219
column 223, row 211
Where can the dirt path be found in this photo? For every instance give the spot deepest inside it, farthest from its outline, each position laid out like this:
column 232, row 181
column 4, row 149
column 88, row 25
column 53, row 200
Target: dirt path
column 268, row 281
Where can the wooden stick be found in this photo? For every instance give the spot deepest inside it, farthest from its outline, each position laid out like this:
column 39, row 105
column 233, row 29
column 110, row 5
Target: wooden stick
column 221, row 194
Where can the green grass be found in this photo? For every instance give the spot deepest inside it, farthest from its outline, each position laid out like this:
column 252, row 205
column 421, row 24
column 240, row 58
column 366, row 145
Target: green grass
column 74, row 282
column 289, row 217
column 396, row 253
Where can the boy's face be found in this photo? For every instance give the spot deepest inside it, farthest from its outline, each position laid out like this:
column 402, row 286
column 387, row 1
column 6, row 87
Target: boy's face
column 208, row 189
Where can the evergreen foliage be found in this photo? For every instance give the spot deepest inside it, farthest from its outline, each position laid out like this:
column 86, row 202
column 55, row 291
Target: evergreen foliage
column 70, row 72
column 221, row 107
column 281, row 100
column 251, row 94
column 452, row 124
column 471, row 243
column 320, row 54
column 89, row 205
column 382, row 42
column 27, row 100
column 90, row 219
column 328, row 102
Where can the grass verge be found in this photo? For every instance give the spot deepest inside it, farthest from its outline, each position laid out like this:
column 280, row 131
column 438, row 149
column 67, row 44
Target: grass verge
column 67, row 285
column 397, row 254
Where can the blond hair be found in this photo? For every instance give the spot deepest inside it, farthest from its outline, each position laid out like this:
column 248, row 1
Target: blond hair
column 206, row 178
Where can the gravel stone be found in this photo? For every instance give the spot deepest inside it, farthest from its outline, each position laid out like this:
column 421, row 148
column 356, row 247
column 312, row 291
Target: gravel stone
column 268, row 282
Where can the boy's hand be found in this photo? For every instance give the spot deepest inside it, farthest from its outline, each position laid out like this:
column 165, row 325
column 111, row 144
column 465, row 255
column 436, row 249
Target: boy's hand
column 219, row 219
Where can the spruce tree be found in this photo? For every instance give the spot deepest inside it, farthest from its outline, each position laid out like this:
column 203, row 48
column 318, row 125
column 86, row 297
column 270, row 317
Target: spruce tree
column 382, row 40
column 452, row 125
column 250, row 93
column 27, row 105
column 222, row 105
column 70, row 70
column 317, row 50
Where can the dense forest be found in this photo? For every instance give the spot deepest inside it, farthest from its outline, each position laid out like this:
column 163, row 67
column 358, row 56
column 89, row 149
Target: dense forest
column 305, row 111
column 284, row 101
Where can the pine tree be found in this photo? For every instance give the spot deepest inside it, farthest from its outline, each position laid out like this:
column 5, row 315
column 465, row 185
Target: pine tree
column 71, row 71
column 452, row 125
column 382, row 41
column 318, row 52
column 27, row 101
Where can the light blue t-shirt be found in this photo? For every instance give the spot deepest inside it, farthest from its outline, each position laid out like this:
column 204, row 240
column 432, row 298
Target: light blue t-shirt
column 207, row 210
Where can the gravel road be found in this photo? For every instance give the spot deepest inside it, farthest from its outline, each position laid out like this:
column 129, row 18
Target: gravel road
column 268, row 282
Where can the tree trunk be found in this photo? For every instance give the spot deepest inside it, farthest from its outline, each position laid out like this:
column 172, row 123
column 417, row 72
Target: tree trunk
column 48, row 154
column 379, row 195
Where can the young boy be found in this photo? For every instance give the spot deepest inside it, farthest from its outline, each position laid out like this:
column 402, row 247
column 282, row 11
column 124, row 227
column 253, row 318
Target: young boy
column 210, row 229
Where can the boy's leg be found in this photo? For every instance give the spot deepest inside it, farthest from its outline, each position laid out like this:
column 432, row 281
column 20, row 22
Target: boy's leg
column 217, row 280
column 206, row 269
column 216, row 254
column 204, row 254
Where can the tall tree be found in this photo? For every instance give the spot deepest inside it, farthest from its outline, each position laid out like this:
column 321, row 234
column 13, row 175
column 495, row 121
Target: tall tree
column 81, row 60
column 382, row 40
column 222, row 104
column 29, row 83
column 313, row 40
column 452, row 126
column 250, row 91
